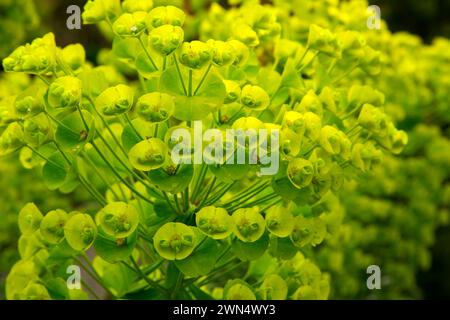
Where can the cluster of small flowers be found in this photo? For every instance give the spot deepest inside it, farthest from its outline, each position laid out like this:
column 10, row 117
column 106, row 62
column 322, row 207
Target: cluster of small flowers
column 91, row 127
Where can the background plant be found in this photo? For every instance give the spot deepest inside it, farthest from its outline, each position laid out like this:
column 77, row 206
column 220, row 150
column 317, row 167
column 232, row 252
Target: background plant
column 92, row 127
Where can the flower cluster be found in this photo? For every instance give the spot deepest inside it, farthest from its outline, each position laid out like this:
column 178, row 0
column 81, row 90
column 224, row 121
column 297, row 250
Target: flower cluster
column 251, row 67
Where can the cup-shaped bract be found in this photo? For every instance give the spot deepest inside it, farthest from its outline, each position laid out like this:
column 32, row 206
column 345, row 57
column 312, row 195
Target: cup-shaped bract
column 313, row 125
column 330, row 140
column 195, row 54
column 28, row 104
column 324, row 41
column 310, row 103
column 254, row 97
column 352, row 43
column 118, row 219
column 358, row 95
column 64, row 92
column 130, row 24
column 214, row 222
column 373, row 120
column 166, row 39
column 295, row 121
column 274, row 288
column 155, row 107
column 52, row 226
column 249, row 224
column 80, row 231
column 239, row 291
column 137, row 5
column 115, row 100
column 245, row 34
column 29, row 219
column 308, row 231
column 34, row 291
column 285, row 49
column 223, row 53
column 300, row 172
column 233, row 91
column 241, row 51
column 398, row 141
column 279, row 221
column 11, row 138
column 98, row 10
column 166, row 15
column 365, row 155
column 148, row 154
column 73, row 55
column 35, row 58
column 174, row 241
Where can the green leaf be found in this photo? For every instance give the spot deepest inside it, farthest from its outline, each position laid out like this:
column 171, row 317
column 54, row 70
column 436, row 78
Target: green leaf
column 55, row 171
column 126, row 48
column 202, row 260
column 269, row 80
column 114, row 250
column 282, row 248
column 172, row 182
column 117, row 277
column 71, row 134
column 247, row 251
column 144, row 66
column 290, row 77
column 57, row 288
column 208, row 98
column 199, row 293
column 129, row 136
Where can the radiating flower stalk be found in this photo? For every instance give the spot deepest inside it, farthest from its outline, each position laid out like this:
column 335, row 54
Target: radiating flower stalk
column 171, row 230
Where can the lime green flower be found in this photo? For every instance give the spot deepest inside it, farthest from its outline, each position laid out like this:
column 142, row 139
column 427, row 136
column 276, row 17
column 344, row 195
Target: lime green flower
column 195, row 54
column 241, row 52
column 174, row 241
column 64, row 92
column 148, row 154
column 99, row 10
column 74, row 56
column 249, row 224
column 130, row 24
column 214, row 222
column 166, row 15
column 118, row 219
column 245, row 34
column 233, row 91
column 223, row 53
column 52, row 226
column 279, row 221
column 274, row 288
column 155, row 107
column 29, row 219
column 35, row 58
column 80, row 231
column 115, row 100
column 300, row 172
column 166, row 39
column 324, row 41
column 137, row 5
column 254, row 97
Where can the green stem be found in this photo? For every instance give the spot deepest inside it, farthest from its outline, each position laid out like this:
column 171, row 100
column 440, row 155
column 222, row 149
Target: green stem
column 127, row 118
column 179, row 73
column 203, row 79
column 147, row 54
column 211, row 185
column 190, row 83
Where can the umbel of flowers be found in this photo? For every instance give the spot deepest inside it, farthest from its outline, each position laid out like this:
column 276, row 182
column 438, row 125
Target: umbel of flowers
column 168, row 230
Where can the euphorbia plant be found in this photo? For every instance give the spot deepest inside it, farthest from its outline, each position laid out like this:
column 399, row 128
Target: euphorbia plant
column 168, row 229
